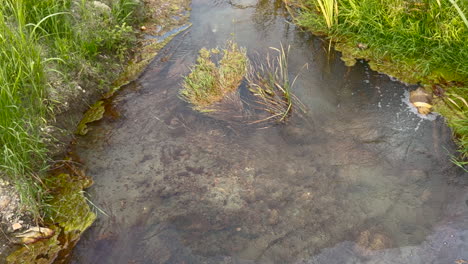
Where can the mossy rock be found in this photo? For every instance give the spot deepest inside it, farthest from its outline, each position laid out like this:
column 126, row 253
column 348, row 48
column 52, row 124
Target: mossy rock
column 94, row 113
column 69, row 217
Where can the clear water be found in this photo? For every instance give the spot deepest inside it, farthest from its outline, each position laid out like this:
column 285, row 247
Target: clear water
column 360, row 178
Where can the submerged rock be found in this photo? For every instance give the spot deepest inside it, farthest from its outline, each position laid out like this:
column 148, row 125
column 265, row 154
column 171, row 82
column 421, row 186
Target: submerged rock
column 369, row 241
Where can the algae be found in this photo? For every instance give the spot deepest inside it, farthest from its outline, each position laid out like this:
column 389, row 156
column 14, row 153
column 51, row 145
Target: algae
column 69, row 217
column 94, row 113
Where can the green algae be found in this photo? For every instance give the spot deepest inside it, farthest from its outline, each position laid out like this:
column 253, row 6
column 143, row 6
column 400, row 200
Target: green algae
column 69, row 216
column 94, row 113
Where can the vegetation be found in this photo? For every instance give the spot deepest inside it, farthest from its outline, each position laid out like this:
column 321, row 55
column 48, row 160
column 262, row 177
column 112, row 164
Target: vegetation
column 44, row 47
column 209, row 83
column 270, row 84
column 416, row 41
column 455, row 105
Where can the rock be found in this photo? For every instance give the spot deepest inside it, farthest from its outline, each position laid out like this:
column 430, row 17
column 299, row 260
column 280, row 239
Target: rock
column 16, row 226
column 368, row 242
column 273, row 218
column 362, row 46
column 421, row 100
column 307, row 196
column 4, row 202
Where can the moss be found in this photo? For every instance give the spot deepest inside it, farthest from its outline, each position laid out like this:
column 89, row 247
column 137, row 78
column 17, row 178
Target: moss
column 94, row 113
column 69, row 217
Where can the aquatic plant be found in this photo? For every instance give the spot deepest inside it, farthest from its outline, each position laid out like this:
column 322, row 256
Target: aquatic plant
column 211, row 80
column 269, row 82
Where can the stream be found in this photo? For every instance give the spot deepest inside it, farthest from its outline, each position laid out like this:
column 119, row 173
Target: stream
column 359, row 178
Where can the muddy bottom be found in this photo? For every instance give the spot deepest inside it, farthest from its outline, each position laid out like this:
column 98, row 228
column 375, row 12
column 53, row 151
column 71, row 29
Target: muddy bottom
column 359, row 178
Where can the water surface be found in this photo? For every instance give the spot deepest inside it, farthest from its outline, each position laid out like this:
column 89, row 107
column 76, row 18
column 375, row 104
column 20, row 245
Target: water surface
column 360, row 178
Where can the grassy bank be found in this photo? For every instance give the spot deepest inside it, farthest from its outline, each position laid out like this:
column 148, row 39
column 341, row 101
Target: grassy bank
column 417, row 41
column 51, row 51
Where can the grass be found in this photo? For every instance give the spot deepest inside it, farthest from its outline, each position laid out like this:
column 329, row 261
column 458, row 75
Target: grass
column 270, row 84
column 329, row 11
column 416, row 41
column 44, row 47
column 455, row 105
column 211, row 80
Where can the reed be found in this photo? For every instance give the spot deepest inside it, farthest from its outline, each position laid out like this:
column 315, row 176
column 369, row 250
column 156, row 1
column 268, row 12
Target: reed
column 270, row 84
column 329, row 11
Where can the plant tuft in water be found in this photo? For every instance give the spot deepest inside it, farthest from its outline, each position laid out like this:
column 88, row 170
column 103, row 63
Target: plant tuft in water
column 269, row 82
column 211, row 81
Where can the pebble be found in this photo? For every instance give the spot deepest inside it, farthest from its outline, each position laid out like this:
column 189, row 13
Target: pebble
column 16, row 226
column 4, row 202
column 273, row 219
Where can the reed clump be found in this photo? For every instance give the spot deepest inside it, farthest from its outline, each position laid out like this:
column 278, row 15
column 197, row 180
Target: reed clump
column 270, row 84
column 213, row 78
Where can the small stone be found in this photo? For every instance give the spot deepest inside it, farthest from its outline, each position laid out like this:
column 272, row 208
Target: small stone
column 362, row 46
column 4, row 202
column 273, row 219
column 16, row 226
column 307, row 196
column 238, row 229
column 142, row 28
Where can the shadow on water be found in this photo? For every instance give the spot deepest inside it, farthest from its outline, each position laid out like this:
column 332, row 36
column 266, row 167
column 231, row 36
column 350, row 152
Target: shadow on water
column 360, row 179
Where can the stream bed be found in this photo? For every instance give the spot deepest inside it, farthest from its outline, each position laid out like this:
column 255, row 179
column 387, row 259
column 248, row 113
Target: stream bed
column 359, row 178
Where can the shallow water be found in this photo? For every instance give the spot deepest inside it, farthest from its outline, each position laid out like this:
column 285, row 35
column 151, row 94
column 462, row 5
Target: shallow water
column 360, row 178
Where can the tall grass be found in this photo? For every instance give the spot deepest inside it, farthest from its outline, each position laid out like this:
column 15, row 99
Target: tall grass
column 427, row 37
column 329, row 11
column 460, row 12
column 43, row 43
